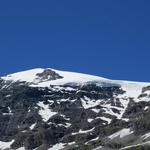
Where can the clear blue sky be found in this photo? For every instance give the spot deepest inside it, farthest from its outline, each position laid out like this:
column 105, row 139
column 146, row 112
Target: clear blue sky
column 101, row 37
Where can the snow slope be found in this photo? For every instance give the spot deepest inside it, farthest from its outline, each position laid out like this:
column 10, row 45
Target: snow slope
column 30, row 76
column 133, row 89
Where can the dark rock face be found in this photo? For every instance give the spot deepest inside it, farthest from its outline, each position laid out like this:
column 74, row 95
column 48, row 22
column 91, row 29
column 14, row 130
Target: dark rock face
column 41, row 117
column 48, row 75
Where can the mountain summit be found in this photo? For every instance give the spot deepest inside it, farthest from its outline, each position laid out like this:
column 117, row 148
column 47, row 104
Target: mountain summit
column 48, row 109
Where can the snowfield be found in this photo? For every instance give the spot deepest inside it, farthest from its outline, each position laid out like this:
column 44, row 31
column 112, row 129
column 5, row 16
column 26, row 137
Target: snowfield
column 133, row 89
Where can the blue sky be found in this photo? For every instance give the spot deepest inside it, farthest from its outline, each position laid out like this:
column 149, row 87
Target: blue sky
column 101, row 37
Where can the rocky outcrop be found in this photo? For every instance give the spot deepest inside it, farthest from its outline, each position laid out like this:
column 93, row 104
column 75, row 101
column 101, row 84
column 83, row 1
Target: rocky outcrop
column 48, row 75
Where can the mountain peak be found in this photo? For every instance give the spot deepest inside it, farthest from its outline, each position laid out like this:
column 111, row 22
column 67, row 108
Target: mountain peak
column 48, row 76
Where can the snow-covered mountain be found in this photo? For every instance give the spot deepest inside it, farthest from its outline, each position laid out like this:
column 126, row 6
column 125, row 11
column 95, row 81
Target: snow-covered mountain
column 50, row 109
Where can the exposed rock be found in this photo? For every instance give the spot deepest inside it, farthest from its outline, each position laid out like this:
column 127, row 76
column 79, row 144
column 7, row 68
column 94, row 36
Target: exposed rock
column 48, row 75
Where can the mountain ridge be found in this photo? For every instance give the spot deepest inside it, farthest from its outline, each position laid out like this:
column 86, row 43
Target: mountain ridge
column 77, row 73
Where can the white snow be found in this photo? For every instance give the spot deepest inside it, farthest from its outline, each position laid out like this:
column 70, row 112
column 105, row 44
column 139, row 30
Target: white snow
column 65, row 117
column 96, row 110
column 124, row 101
column 51, row 102
column 21, row 148
column 74, row 133
column 8, row 95
column 9, row 113
column 67, row 125
column 90, row 120
column 71, row 143
column 145, row 98
column 59, row 101
column 32, row 126
column 58, row 146
column 135, row 145
column 89, row 103
column 147, row 92
column 45, row 111
column 105, row 119
column 83, row 131
column 24, row 131
column 86, row 131
column 71, row 77
column 28, row 76
column 4, row 145
column 108, row 110
column 63, row 100
column 133, row 88
column 95, row 139
column 125, row 119
column 145, row 136
column 146, row 107
column 122, row 133
column 64, row 88
column 68, row 77
column 98, row 148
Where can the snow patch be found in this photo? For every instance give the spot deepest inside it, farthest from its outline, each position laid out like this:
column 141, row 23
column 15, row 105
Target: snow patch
column 96, row 110
column 98, row 148
column 135, row 145
column 126, row 119
column 83, row 131
column 122, row 133
column 58, row 146
column 95, row 139
column 146, row 107
column 9, row 112
column 45, row 111
column 67, row 125
column 89, row 103
column 90, row 120
column 32, row 126
column 86, row 131
column 105, row 119
column 145, row 136
column 147, row 92
column 21, row 148
column 71, row 143
column 4, row 145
